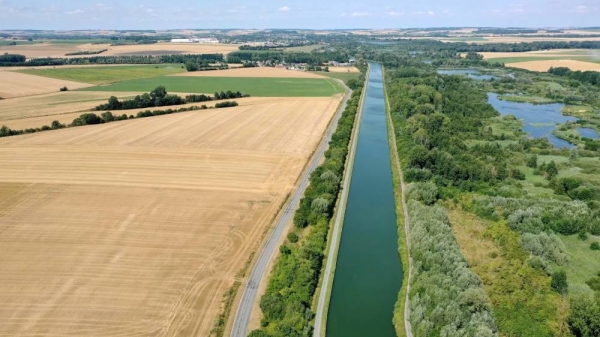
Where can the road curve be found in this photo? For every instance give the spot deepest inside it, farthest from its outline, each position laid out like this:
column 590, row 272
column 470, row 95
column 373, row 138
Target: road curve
column 339, row 219
column 250, row 289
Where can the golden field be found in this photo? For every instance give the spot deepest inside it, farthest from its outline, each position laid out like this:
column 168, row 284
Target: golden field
column 138, row 227
column 13, row 84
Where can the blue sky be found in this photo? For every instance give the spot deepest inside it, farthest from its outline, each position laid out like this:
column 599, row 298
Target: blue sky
column 316, row 14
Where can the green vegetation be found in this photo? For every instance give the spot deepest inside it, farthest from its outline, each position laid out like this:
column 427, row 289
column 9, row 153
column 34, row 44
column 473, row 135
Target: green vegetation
column 286, row 304
column 104, row 74
column 340, row 76
column 159, row 97
column 89, row 52
column 264, row 87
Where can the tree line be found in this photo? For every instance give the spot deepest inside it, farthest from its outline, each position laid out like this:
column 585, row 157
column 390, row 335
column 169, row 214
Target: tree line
column 286, row 304
column 591, row 77
column 20, row 60
column 159, row 97
column 107, row 117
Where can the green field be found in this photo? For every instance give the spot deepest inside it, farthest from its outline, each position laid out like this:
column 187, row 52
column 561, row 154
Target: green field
column 106, row 74
column 254, row 86
column 341, row 76
column 20, row 42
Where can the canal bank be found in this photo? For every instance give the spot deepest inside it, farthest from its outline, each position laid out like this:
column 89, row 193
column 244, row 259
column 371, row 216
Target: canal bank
column 368, row 274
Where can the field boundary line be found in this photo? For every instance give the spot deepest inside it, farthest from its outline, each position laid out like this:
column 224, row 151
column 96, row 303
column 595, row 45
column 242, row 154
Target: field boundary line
column 407, row 325
column 250, row 288
column 336, row 232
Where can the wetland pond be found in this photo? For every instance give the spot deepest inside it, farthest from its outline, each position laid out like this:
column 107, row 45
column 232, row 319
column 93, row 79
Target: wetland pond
column 539, row 120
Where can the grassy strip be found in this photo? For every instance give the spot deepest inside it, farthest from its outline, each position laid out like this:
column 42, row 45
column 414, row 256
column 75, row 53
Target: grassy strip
column 339, row 75
column 290, row 292
column 399, row 312
column 221, row 321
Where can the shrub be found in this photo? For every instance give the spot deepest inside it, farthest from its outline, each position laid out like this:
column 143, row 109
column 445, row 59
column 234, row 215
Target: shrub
column 559, row 282
column 427, row 192
column 595, row 246
column 583, row 236
column 64, row 89
column 226, row 104
column 584, row 318
column 292, row 237
column 87, row 119
column 547, row 246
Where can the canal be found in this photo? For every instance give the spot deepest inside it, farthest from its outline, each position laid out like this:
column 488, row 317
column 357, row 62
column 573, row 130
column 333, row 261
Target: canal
column 368, row 273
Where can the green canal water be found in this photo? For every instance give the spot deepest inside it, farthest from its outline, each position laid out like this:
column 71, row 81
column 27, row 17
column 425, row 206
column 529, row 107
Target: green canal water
column 368, row 274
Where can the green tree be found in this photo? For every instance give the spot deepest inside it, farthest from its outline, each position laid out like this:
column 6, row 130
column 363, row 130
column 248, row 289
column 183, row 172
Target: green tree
column 551, row 170
column 532, row 161
column 559, row 282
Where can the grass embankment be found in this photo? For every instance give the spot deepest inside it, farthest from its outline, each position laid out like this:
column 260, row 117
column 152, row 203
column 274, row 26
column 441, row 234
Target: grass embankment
column 106, row 74
column 399, row 319
column 254, row 86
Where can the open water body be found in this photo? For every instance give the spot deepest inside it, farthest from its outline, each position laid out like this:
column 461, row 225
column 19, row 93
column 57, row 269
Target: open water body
column 368, row 274
column 539, row 119
column 587, row 132
column 474, row 74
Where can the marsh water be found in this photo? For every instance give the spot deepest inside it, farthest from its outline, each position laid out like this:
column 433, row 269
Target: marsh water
column 368, row 274
column 472, row 73
column 587, row 132
column 539, row 119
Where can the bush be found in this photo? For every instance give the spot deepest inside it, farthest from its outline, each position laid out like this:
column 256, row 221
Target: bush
column 559, row 282
column 583, row 236
column 426, row 193
column 584, row 318
column 226, row 104
column 595, row 246
column 547, row 246
column 87, row 119
column 292, row 237
column 64, row 89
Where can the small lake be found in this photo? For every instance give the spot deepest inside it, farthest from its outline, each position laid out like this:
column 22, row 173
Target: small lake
column 587, row 132
column 539, row 119
column 474, row 74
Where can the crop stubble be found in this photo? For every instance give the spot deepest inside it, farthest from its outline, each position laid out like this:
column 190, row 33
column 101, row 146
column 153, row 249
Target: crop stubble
column 138, row 227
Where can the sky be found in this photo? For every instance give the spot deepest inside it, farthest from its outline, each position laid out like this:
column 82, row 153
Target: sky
column 311, row 14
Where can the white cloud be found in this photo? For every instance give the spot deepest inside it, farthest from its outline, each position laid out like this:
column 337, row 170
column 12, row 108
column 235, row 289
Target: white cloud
column 580, row 9
column 344, row 14
column 359, row 14
column 430, row 13
column 393, row 13
column 285, row 9
column 76, row 11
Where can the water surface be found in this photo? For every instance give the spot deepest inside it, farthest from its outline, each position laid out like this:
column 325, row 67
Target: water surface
column 587, row 132
column 368, row 274
column 472, row 73
column 539, row 119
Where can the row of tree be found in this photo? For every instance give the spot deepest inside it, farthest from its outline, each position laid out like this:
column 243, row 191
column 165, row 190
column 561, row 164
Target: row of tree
column 159, row 97
column 286, row 304
column 107, row 117
column 20, row 60
column 591, row 77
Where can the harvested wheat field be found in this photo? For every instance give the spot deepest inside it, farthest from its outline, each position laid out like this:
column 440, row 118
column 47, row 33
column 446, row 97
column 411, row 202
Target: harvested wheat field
column 138, row 227
column 47, row 49
column 13, row 84
column 268, row 72
column 168, row 48
column 344, row 70
column 546, row 64
column 59, row 112
column 539, row 53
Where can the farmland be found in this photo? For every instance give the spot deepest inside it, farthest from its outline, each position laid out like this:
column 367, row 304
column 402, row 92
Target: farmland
column 255, row 86
column 106, row 74
column 16, row 85
column 64, row 47
column 264, row 72
column 139, row 227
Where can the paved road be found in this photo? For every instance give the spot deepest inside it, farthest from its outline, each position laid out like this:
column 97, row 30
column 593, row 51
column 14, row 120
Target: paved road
column 339, row 219
column 242, row 317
